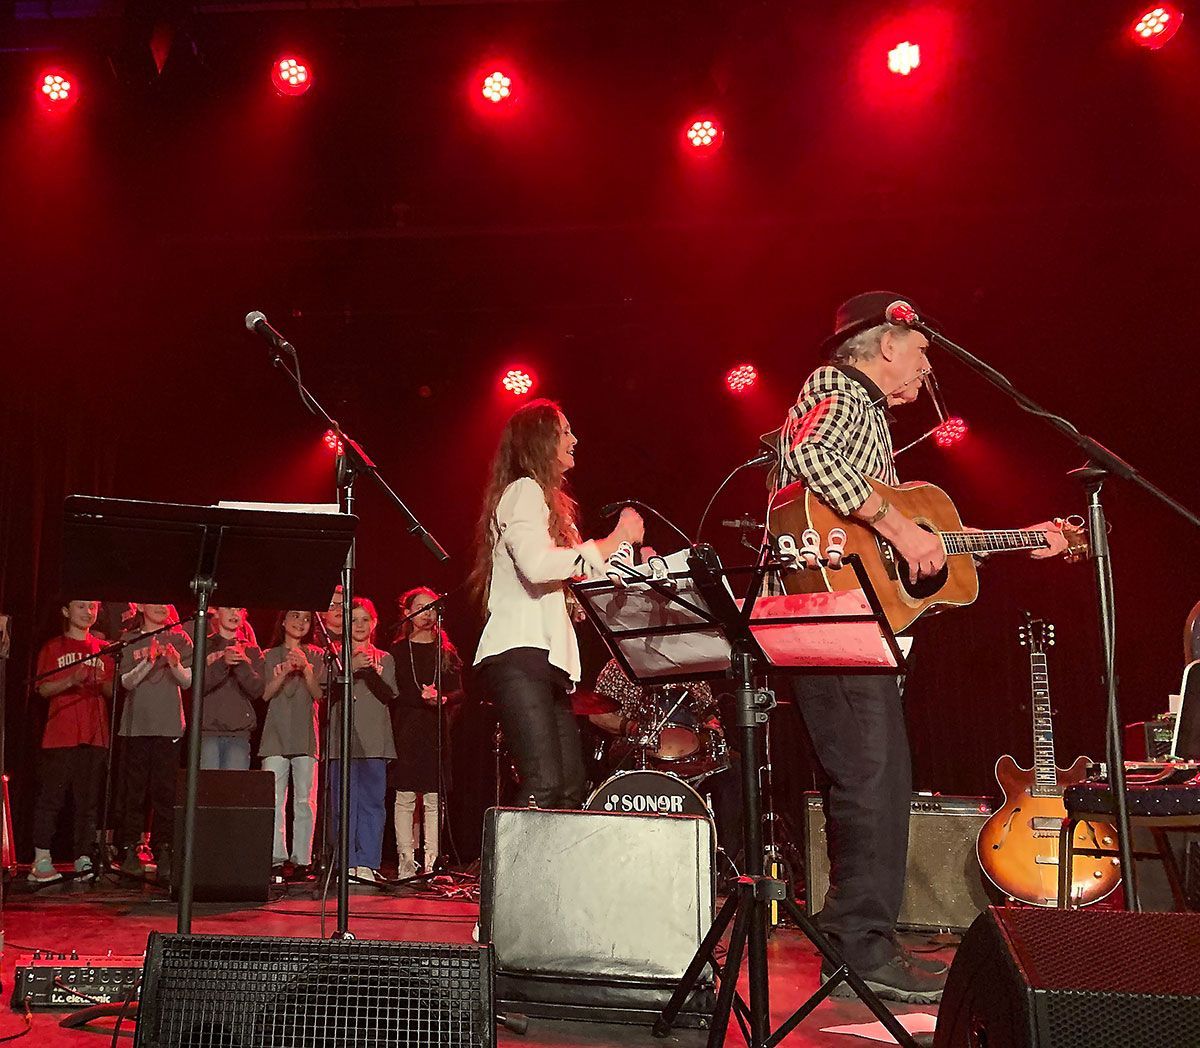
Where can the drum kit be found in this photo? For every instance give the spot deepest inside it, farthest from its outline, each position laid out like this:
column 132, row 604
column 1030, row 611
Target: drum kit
column 670, row 742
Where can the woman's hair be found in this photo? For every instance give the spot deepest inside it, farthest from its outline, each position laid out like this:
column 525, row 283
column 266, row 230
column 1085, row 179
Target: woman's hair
column 528, row 448
column 404, row 603
column 277, row 633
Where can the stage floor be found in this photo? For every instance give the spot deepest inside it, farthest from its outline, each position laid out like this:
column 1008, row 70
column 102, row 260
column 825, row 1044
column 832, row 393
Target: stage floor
column 95, row 920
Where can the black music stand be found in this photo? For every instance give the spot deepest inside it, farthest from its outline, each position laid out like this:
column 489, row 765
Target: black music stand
column 692, row 617
column 119, row 549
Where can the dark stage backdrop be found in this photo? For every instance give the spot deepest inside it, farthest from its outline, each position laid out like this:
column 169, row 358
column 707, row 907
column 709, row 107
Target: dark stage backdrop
column 1033, row 186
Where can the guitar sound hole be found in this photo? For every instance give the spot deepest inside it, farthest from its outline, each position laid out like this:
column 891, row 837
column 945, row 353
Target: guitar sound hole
column 922, row 588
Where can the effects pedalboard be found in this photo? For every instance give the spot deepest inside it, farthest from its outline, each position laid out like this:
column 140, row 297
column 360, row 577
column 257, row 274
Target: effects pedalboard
column 49, row 980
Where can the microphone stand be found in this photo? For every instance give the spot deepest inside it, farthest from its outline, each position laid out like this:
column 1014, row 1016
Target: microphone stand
column 352, row 462
column 445, row 843
column 1101, row 463
column 333, row 664
column 762, row 459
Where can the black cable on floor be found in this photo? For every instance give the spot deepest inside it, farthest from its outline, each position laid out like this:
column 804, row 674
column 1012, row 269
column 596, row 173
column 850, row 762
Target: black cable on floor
column 28, row 1025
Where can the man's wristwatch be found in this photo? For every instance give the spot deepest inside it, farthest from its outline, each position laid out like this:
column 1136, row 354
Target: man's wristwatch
column 879, row 514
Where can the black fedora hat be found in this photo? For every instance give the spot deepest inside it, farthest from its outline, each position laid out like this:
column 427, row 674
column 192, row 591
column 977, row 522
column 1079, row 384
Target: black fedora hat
column 861, row 312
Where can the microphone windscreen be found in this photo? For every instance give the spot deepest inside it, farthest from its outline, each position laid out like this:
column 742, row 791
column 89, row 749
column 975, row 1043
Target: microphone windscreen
column 900, row 312
column 253, row 318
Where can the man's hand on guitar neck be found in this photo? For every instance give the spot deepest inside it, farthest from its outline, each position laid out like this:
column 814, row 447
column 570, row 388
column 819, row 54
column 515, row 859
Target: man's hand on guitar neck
column 1056, row 541
column 923, row 550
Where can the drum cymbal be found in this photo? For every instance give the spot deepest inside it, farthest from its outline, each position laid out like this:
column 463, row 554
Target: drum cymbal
column 588, row 703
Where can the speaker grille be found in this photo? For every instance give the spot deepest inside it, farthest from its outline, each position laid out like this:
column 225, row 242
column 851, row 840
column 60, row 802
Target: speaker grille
column 1113, row 1020
column 1098, row 975
column 1107, row 950
column 247, row 992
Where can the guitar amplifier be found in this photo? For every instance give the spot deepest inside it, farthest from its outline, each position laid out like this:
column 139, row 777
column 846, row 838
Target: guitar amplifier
column 943, row 885
column 596, row 916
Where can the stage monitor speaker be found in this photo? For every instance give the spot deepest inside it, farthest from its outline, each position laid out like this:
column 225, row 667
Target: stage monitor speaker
column 1028, row 977
column 596, row 915
column 216, row 991
column 235, row 826
column 943, row 885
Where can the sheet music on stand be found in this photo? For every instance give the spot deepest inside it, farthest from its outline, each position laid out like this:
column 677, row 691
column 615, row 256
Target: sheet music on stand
column 662, row 629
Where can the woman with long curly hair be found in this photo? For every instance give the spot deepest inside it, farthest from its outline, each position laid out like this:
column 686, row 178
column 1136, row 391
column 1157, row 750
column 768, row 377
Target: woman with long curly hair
column 527, row 547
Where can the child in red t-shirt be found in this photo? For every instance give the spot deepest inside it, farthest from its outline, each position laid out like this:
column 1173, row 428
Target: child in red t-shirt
column 75, row 741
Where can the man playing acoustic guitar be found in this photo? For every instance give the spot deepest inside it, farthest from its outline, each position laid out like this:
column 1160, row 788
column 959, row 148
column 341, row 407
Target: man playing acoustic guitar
column 836, row 437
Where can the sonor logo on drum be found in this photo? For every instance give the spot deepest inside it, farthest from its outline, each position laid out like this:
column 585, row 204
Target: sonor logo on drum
column 660, row 805
column 646, row 793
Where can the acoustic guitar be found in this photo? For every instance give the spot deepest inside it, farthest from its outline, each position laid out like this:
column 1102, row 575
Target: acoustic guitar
column 796, row 508
column 1018, row 845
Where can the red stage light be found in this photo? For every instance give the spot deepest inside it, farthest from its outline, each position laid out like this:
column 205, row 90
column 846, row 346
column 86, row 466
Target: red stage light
column 704, row 137
column 950, row 432
column 517, row 381
column 1157, row 25
column 497, row 87
column 291, row 75
column 741, row 378
column 57, row 90
column 332, row 442
column 904, row 58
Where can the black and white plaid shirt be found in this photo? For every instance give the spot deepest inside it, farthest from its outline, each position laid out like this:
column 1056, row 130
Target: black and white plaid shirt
column 836, row 435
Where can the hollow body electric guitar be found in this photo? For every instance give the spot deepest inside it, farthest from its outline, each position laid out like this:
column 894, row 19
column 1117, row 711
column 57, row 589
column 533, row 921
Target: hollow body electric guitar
column 795, row 508
column 1018, row 845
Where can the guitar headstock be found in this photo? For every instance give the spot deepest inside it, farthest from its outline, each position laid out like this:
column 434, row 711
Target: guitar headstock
column 1036, row 634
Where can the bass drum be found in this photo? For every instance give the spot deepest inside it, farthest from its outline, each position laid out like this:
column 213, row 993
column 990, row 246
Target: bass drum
column 647, row 793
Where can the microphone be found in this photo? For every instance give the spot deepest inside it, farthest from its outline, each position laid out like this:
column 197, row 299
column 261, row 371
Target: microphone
column 744, row 524
column 258, row 323
column 612, row 508
column 763, row 458
column 900, row 312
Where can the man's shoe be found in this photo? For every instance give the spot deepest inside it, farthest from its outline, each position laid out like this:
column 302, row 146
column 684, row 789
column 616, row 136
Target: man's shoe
column 926, row 962
column 302, row 872
column 43, row 872
column 896, row 980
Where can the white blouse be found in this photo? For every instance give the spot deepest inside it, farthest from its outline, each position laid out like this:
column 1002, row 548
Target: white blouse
column 527, row 605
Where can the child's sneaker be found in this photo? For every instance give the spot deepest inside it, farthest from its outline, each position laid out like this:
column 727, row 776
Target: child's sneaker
column 43, row 872
column 83, row 868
